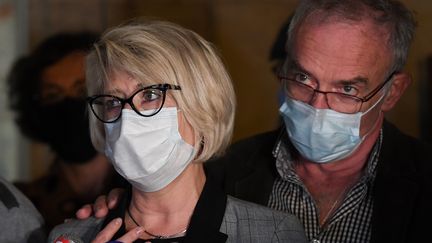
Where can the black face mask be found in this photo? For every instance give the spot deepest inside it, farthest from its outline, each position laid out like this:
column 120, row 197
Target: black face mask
column 65, row 128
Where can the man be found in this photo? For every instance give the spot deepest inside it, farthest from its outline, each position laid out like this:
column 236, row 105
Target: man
column 348, row 175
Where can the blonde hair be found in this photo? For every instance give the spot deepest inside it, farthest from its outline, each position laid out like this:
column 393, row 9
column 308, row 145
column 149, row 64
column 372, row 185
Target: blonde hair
column 153, row 52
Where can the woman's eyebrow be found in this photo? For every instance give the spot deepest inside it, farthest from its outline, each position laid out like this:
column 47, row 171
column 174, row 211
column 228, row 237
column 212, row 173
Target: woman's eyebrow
column 117, row 91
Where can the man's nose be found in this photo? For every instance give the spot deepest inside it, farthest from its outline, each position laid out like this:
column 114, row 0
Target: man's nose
column 319, row 101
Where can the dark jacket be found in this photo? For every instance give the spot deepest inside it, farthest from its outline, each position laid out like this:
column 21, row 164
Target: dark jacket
column 402, row 190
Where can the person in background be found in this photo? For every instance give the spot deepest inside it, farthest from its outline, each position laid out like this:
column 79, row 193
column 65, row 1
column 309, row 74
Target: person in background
column 162, row 104
column 46, row 91
column 20, row 221
column 347, row 173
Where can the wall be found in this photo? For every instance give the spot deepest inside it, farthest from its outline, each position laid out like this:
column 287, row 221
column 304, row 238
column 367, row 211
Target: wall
column 243, row 30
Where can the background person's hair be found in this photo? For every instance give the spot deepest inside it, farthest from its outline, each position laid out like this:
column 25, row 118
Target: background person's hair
column 24, row 80
column 392, row 15
column 153, row 52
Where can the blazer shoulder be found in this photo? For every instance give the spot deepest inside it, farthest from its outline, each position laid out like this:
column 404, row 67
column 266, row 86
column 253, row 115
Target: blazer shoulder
column 268, row 225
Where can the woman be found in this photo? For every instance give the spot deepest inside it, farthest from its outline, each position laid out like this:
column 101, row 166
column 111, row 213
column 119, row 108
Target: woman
column 163, row 104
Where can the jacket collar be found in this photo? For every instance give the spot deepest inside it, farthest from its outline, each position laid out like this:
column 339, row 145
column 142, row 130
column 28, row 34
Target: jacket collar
column 395, row 189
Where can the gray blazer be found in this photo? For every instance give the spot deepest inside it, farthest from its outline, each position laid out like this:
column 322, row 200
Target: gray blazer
column 248, row 222
column 242, row 222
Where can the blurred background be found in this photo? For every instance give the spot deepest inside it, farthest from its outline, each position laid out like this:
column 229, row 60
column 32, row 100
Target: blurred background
column 244, row 32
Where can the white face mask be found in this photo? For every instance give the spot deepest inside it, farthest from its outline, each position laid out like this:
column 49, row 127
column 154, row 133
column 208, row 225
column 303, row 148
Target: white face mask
column 148, row 151
column 322, row 135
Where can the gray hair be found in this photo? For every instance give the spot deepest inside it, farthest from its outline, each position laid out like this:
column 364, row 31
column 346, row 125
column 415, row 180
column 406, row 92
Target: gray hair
column 393, row 15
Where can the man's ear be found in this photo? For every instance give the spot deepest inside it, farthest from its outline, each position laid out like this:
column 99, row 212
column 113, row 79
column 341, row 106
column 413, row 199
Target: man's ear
column 401, row 81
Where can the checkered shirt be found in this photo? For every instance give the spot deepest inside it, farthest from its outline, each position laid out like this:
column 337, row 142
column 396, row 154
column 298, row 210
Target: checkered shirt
column 351, row 222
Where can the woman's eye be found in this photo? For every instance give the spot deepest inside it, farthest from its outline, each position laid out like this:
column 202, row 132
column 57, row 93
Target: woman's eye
column 151, row 95
column 112, row 104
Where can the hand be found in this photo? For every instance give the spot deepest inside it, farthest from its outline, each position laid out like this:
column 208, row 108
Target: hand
column 108, row 232
column 101, row 206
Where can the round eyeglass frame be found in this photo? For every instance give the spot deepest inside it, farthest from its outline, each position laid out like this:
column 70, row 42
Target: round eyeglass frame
column 162, row 87
column 365, row 98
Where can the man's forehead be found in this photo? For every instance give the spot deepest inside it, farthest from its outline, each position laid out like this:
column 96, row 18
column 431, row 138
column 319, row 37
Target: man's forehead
column 339, row 48
column 292, row 66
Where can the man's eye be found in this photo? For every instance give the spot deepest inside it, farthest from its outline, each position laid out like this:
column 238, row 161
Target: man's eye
column 301, row 77
column 349, row 90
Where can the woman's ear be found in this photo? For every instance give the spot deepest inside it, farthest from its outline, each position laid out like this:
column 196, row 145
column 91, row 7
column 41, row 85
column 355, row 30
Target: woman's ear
column 400, row 83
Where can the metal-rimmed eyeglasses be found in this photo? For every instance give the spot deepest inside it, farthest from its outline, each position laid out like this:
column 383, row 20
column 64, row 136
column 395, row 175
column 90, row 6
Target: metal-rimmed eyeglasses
column 147, row 101
column 336, row 101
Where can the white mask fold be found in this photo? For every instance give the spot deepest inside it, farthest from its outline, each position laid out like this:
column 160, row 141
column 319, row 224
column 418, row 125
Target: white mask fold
column 322, row 135
column 149, row 152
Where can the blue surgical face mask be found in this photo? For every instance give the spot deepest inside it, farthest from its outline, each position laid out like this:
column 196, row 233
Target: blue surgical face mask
column 322, row 135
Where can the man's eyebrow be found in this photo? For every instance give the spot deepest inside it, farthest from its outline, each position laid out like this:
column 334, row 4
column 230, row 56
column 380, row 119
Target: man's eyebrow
column 295, row 65
column 357, row 80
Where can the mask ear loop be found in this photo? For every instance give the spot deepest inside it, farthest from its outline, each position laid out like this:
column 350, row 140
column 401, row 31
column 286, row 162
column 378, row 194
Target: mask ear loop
column 386, row 89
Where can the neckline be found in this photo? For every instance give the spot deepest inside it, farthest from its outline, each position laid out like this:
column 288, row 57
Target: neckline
column 205, row 221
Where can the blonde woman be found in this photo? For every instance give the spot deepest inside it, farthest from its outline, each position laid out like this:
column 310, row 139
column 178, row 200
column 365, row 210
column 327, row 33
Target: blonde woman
column 161, row 104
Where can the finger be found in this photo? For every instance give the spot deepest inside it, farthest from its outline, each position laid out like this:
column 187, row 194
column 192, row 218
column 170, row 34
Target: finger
column 113, row 197
column 108, row 232
column 84, row 212
column 131, row 236
column 100, row 207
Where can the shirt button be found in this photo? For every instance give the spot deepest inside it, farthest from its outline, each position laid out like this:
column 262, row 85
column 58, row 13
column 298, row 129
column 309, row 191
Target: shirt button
column 315, row 241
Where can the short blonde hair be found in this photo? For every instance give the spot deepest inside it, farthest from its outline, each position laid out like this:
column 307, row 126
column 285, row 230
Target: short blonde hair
column 153, row 52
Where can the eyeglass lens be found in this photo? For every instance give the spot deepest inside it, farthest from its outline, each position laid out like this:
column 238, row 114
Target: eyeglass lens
column 146, row 102
column 336, row 101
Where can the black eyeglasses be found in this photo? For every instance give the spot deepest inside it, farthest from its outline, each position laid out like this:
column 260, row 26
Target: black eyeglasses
column 147, row 101
column 339, row 102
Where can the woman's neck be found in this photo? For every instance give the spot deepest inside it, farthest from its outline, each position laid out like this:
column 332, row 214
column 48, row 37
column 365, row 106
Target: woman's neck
column 168, row 211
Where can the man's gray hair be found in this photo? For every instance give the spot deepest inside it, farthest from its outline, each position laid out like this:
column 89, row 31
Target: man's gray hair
column 393, row 15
